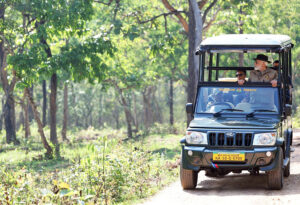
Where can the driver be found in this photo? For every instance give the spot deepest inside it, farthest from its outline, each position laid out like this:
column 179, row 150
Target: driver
column 219, row 98
column 215, row 97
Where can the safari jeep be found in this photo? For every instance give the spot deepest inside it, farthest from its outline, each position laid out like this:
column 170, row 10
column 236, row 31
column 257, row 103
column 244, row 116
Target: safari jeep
column 239, row 127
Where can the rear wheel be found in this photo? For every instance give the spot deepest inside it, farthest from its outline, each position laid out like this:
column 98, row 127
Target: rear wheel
column 188, row 178
column 275, row 177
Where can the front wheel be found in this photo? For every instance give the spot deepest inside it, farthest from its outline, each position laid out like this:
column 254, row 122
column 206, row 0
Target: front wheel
column 275, row 177
column 286, row 172
column 188, row 178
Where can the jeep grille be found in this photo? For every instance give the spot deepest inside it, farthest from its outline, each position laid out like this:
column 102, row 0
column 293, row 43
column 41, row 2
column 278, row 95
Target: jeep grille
column 234, row 140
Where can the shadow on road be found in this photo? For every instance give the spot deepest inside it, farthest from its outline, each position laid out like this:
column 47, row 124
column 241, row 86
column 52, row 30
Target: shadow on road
column 245, row 184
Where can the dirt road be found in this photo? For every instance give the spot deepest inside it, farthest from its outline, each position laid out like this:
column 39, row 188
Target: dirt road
column 235, row 188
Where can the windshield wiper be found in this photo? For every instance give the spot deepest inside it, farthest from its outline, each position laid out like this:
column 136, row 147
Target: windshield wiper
column 252, row 113
column 218, row 114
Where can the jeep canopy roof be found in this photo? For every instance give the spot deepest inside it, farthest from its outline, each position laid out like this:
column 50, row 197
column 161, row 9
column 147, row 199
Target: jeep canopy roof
column 245, row 43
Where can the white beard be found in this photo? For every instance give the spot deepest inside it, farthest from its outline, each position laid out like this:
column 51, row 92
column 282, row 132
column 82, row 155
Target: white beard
column 257, row 68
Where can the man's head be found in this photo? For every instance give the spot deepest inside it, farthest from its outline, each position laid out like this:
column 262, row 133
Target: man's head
column 261, row 62
column 241, row 75
column 218, row 95
column 276, row 64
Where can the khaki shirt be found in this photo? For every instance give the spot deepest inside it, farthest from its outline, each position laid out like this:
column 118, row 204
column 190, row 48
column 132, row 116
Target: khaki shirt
column 265, row 76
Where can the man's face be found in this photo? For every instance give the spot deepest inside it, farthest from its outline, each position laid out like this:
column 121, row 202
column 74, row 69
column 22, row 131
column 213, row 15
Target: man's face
column 276, row 65
column 259, row 65
column 240, row 75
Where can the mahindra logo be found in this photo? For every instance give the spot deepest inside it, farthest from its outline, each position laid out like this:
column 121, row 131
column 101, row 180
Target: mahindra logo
column 229, row 134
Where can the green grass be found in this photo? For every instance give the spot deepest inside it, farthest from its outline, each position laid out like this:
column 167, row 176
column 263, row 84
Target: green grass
column 97, row 167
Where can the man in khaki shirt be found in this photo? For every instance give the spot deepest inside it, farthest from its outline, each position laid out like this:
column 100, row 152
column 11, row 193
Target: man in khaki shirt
column 261, row 72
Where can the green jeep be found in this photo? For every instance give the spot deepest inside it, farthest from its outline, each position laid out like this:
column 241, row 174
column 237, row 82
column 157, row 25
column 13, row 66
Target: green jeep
column 239, row 127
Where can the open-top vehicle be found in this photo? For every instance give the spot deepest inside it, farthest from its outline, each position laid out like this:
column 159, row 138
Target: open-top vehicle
column 239, row 127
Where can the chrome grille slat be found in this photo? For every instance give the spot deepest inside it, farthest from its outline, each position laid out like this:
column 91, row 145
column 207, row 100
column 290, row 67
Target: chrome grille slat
column 237, row 140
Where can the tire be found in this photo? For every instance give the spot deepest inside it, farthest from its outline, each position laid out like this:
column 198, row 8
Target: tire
column 275, row 177
column 286, row 172
column 188, row 178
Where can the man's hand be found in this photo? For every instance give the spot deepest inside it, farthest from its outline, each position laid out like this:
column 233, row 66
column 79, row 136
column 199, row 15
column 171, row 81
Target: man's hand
column 241, row 82
column 274, row 83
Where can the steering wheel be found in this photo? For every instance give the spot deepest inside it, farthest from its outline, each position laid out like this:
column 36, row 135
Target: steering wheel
column 222, row 103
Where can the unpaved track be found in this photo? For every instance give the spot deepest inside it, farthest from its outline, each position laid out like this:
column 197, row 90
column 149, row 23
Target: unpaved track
column 235, row 188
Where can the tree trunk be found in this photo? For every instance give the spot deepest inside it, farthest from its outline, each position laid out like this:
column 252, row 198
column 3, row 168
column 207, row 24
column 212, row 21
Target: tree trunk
column 26, row 117
column 117, row 118
column 148, row 111
column 9, row 119
column 195, row 36
column 127, row 116
column 30, row 112
column 40, row 125
column 127, row 111
column 136, row 122
column 100, row 113
column 44, row 103
column 2, row 114
column 171, row 103
column 20, row 122
column 26, row 121
column 65, row 119
column 53, row 134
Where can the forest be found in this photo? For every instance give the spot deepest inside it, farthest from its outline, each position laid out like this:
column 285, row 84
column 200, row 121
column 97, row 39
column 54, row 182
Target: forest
column 94, row 91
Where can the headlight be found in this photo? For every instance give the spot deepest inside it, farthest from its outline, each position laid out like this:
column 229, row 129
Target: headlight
column 196, row 138
column 264, row 139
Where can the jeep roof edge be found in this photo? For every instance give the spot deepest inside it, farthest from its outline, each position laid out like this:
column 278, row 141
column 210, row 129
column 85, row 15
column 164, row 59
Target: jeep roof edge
column 242, row 42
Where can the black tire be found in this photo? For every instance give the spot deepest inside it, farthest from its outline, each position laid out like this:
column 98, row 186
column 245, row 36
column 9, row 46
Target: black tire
column 275, row 177
column 286, row 172
column 188, row 178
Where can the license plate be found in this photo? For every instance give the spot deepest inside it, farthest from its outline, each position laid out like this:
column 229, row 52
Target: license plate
column 237, row 157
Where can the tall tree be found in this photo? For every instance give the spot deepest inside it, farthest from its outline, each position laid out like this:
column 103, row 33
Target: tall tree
column 7, row 85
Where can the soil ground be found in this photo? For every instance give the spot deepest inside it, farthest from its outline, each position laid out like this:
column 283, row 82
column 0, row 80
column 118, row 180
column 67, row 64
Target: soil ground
column 236, row 188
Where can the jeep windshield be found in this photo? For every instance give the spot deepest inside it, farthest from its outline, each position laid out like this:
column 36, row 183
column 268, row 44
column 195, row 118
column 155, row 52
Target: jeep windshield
column 237, row 100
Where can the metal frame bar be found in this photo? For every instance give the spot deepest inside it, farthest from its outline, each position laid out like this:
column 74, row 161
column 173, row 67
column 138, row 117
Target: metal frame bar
column 217, row 65
column 210, row 64
column 228, row 68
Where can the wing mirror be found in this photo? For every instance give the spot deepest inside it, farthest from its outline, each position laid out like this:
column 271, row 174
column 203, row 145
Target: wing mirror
column 288, row 109
column 189, row 108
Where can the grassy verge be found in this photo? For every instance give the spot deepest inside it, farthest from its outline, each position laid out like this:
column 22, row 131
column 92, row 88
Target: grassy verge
column 97, row 167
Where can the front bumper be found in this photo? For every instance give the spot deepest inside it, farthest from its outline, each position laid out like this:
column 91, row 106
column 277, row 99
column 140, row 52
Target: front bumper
column 202, row 158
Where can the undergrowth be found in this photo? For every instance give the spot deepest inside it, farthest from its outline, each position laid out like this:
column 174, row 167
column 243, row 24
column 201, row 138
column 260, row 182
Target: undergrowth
column 97, row 167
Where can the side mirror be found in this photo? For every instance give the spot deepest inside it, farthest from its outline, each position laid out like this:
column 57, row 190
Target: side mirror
column 189, row 108
column 288, row 109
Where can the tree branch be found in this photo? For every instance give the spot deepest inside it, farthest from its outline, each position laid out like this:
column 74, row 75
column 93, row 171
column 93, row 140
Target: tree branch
column 207, row 10
column 201, row 4
column 101, row 2
column 115, row 14
column 210, row 23
column 177, row 14
column 155, row 17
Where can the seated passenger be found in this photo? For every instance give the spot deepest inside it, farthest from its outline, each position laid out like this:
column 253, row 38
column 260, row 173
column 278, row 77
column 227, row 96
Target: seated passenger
column 275, row 65
column 241, row 77
column 261, row 72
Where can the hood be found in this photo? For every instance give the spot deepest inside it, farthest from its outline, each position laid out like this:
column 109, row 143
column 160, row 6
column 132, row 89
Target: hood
column 235, row 122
